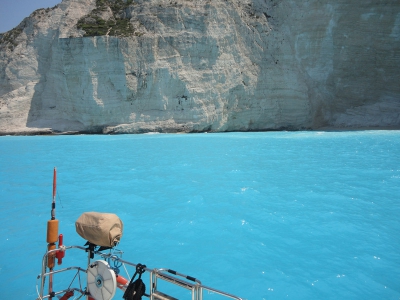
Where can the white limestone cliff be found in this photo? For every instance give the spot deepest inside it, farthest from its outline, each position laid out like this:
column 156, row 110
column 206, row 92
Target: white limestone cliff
column 188, row 66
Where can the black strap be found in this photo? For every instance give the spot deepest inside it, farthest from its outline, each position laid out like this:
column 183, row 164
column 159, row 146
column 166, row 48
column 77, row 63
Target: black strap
column 140, row 269
column 136, row 289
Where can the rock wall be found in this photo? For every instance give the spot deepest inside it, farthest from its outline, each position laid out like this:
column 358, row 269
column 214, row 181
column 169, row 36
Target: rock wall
column 193, row 66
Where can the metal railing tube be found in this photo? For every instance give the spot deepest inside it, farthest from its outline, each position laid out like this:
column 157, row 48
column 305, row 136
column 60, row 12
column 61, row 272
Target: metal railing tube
column 220, row 292
column 63, row 270
column 118, row 259
column 63, row 291
column 179, row 274
column 196, row 286
column 44, row 263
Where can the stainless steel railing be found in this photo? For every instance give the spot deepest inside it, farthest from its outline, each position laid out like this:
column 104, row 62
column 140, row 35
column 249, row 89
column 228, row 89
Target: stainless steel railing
column 178, row 279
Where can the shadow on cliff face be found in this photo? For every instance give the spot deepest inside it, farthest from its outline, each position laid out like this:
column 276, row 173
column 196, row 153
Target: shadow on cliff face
column 43, row 109
column 81, row 84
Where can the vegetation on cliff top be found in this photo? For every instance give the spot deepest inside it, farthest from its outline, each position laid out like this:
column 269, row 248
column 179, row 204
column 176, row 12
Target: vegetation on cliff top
column 8, row 39
column 117, row 25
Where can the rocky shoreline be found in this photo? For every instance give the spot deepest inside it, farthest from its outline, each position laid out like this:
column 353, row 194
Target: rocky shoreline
column 49, row 132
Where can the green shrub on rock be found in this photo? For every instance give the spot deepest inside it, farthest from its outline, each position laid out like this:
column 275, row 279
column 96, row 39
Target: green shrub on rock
column 115, row 26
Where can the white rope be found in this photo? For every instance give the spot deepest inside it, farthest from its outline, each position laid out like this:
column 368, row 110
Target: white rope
column 37, row 289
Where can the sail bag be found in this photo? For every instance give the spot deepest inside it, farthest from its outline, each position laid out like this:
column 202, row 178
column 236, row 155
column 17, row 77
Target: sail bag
column 101, row 229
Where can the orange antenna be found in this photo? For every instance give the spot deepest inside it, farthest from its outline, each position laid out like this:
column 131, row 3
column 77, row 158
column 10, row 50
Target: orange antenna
column 53, row 205
column 52, row 233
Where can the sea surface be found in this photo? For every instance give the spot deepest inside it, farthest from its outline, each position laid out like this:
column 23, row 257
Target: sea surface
column 272, row 215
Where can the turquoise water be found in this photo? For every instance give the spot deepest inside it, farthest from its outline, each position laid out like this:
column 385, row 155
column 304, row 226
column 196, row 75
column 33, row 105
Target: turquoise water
column 277, row 215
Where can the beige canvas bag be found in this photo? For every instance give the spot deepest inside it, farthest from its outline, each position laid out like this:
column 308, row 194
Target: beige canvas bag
column 101, row 229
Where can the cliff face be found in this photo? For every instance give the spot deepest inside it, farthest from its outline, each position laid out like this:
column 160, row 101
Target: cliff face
column 187, row 66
